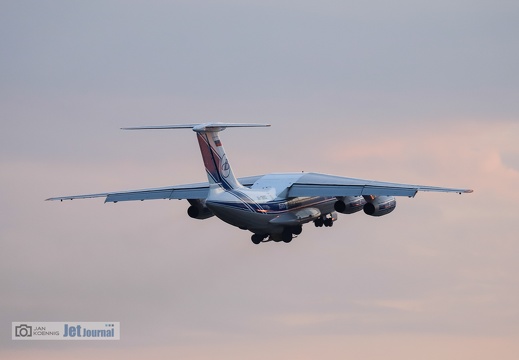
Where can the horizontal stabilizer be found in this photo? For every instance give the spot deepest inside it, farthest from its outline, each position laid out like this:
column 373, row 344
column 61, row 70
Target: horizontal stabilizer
column 216, row 126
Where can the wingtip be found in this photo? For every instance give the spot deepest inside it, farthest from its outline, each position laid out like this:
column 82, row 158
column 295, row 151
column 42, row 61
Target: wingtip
column 466, row 191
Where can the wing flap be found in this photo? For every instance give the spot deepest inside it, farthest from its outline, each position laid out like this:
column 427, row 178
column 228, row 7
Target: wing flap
column 323, row 190
column 348, row 190
column 72, row 197
column 189, row 191
column 170, row 193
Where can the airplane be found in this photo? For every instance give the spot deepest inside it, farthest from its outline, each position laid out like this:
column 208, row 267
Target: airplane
column 274, row 207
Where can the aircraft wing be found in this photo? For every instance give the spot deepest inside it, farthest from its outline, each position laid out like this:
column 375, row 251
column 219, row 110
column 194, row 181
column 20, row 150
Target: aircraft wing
column 314, row 184
column 187, row 191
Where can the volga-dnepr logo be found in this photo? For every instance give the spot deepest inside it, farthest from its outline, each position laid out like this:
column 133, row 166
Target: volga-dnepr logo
column 23, row 330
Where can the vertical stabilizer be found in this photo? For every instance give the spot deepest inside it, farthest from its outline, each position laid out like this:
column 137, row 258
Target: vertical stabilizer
column 216, row 164
column 215, row 161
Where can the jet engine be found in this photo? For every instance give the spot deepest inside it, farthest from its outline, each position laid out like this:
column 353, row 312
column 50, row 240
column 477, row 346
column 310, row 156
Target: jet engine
column 349, row 204
column 380, row 205
column 198, row 210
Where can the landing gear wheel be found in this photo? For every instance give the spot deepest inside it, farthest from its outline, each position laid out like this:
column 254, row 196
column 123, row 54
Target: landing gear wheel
column 257, row 238
column 328, row 222
column 286, row 236
column 319, row 222
column 297, row 230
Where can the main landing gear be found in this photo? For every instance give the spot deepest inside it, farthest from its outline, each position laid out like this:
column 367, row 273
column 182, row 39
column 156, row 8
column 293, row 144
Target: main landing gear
column 257, row 238
column 286, row 236
column 326, row 221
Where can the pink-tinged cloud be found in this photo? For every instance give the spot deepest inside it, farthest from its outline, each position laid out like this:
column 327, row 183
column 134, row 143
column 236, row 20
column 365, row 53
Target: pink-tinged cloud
column 368, row 347
column 467, row 154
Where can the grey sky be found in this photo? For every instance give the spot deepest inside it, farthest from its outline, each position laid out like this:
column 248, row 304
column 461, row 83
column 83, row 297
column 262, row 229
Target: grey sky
column 418, row 92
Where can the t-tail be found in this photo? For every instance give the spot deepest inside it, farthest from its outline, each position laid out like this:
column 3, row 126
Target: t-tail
column 216, row 163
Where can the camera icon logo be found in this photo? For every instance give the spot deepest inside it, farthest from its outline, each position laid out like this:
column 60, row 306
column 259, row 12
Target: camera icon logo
column 23, row 330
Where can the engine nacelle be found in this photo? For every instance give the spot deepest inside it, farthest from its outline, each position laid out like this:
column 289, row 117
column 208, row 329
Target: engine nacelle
column 380, row 205
column 349, row 204
column 198, row 210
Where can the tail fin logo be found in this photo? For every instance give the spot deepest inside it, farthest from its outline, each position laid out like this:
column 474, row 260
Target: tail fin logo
column 225, row 168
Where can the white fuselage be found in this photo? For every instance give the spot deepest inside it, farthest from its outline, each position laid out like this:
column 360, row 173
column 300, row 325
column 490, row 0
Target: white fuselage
column 264, row 207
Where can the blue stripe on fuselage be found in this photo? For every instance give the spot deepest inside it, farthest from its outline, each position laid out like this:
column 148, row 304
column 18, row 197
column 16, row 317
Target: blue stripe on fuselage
column 272, row 207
